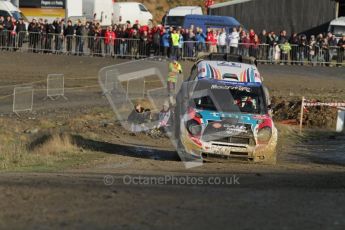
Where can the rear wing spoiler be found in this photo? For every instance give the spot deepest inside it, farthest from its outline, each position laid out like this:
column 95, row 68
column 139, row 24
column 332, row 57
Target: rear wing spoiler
column 202, row 56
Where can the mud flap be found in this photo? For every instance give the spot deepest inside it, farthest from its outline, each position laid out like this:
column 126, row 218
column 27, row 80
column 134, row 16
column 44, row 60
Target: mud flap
column 269, row 154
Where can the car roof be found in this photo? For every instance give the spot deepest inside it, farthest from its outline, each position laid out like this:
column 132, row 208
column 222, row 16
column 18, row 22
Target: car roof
column 228, row 71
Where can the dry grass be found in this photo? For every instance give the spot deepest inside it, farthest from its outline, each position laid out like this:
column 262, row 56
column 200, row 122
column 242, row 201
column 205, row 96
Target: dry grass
column 55, row 145
column 54, row 153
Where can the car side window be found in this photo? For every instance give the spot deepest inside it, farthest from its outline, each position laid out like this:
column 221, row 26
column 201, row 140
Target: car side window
column 142, row 8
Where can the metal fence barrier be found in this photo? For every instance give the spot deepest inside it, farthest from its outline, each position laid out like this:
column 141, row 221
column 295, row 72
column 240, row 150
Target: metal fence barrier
column 277, row 54
column 140, row 48
column 55, row 86
column 23, row 98
column 111, row 82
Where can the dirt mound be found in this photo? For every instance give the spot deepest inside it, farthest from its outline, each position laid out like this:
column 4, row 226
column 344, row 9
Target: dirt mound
column 289, row 111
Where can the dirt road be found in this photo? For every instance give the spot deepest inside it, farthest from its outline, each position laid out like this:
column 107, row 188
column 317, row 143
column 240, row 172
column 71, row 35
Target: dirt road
column 140, row 184
column 261, row 201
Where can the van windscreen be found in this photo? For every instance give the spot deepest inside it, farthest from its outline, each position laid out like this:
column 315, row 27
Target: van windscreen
column 18, row 15
column 338, row 30
column 175, row 20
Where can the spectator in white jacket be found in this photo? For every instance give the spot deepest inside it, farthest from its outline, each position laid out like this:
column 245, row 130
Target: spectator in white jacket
column 234, row 38
column 222, row 40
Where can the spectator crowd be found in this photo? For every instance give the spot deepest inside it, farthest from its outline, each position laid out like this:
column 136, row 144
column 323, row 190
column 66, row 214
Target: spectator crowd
column 135, row 40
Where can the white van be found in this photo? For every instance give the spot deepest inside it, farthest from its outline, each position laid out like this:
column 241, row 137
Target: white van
column 8, row 9
column 175, row 16
column 337, row 27
column 99, row 10
column 131, row 11
column 74, row 8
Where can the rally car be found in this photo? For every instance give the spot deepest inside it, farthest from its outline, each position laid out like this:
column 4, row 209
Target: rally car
column 223, row 111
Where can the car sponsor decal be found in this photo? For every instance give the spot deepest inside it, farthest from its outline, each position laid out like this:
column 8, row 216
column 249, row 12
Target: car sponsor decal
column 231, row 87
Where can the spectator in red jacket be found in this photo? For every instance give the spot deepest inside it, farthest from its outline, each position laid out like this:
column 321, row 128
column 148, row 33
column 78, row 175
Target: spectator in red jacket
column 109, row 41
column 252, row 36
column 212, row 41
column 254, row 47
column 245, row 45
column 142, row 29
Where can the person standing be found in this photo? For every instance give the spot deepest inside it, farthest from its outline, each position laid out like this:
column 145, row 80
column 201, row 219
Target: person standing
column 68, row 33
column 294, row 41
column 91, row 33
column 156, row 41
column 49, row 33
column 8, row 28
column 20, row 30
column 58, row 25
column 302, row 49
column 341, row 51
column 200, row 38
column 254, row 51
column 222, row 39
column 189, row 44
column 144, row 46
column 165, row 42
column 134, row 47
column 81, row 34
column 98, row 41
column 33, row 35
column 175, row 41
column 312, row 53
column 234, row 38
column 174, row 70
column 263, row 49
column 285, row 50
column 272, row 42
column 180, row 46
column 245, row 44
column 109, row 41
column 212, row 41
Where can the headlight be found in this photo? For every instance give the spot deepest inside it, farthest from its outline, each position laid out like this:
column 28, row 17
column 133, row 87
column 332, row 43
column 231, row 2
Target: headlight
column 264, row 135
column 193, row 127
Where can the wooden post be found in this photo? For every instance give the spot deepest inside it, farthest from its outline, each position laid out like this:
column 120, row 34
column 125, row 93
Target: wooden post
column 302, row 113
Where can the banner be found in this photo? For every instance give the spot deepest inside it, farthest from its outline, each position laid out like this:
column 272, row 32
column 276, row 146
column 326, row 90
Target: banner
column 42, row 4
column 329, row 104
column 52, row 4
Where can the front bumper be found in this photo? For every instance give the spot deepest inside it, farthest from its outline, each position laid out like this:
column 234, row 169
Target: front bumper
column 225, row 150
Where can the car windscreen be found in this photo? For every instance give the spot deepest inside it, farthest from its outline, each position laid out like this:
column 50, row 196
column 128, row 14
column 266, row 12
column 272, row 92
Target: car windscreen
column 232, row 98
